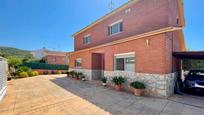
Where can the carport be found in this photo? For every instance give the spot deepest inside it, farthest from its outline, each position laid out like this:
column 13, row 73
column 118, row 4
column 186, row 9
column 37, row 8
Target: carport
column 195, row 55
column 191, row 55
column 188, row 55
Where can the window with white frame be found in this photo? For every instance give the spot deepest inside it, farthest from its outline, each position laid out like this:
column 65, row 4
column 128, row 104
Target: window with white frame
column 78, row 63
column 87, row 39
column 124, row 62
column 115, row 28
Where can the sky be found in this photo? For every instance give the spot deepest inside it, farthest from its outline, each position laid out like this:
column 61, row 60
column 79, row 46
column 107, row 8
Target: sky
column 34, row 24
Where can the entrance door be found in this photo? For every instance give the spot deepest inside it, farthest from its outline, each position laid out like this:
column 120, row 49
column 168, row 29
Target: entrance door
column 97, row 66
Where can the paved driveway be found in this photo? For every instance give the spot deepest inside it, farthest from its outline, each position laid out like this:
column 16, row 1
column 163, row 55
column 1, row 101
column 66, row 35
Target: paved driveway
column 60, row 95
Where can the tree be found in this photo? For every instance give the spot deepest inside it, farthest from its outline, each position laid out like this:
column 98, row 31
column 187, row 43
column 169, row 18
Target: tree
column 14, row 61
column 27, row 58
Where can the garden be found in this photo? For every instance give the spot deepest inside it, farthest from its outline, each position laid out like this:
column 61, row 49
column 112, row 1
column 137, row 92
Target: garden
column 21, row 68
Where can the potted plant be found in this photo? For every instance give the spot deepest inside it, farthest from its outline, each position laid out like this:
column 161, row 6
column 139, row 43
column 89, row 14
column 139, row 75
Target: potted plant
column 104, row 81
column 118, row 81
column 83, row 78
column 137, row 87
column 68, row 73
column 72, row 74
column 79, row 75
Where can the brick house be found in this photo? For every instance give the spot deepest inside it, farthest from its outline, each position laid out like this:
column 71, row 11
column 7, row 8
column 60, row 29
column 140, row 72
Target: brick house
column 51, row 57
column 57, row 58
column 135, row 41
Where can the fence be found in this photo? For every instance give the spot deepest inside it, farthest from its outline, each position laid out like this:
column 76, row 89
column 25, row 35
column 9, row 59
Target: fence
column 46, row 66
column 3, row 77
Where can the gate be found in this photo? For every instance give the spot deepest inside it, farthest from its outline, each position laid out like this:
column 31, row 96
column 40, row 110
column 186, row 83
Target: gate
column 3, row 77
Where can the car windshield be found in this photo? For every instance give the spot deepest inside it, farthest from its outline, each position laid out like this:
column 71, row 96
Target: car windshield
column 196, row 73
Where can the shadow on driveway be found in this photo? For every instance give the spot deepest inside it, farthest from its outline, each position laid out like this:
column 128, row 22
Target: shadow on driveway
column 110, row 100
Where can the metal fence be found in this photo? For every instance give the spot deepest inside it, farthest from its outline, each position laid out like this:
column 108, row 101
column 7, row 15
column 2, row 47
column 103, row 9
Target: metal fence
column 3, row 77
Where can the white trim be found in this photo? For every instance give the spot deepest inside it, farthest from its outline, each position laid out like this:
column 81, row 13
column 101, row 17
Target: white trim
column 87, row 35
column 116, row 33
column 3, row 92
column 123, row 54
column 116, row 22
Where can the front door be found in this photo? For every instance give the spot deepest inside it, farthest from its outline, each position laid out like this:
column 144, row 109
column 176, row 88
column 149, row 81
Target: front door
column 97, row 66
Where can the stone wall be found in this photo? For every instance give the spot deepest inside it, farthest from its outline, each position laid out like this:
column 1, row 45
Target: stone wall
column 158, row 85
column 89, row 74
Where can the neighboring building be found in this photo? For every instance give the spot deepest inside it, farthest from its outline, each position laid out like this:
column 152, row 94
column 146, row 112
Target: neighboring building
column 51, row 57
column 135, row 41
column 3, row 77
column 59, row 58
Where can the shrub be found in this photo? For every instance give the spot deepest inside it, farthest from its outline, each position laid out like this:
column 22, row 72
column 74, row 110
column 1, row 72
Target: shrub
column 31, row 73
column 23, row 69
column 23, row 74
column 53, row 72
column 58, row 72
column 104, row 79
column 118, row 80
column 137, row 85
column 45, row 72
column 36, row 73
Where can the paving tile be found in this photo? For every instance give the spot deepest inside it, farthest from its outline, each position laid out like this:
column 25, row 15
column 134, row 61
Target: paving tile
column 56, row 94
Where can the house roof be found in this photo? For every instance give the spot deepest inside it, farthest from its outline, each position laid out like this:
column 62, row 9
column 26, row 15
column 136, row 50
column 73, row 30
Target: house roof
column 108, row 15
column 55, row 53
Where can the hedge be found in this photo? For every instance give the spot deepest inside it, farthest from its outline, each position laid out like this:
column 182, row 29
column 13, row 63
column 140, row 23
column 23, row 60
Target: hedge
column 45, row 66
column 193, row 64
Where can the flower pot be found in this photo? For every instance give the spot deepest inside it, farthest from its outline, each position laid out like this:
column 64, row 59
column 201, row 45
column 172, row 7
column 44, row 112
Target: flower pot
column 104, row 84
column 118, row 87
column 138, row 92
column 83, row 79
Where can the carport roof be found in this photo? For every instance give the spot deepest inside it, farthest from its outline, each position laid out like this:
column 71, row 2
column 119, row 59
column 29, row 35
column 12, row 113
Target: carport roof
column 189, row 55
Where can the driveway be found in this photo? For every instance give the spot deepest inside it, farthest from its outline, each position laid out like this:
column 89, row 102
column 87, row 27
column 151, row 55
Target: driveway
column 60, row 95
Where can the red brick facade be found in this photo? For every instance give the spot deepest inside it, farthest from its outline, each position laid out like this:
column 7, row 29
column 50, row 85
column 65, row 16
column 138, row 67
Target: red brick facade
column 153, row 53
column 144, row 16
column 54, row 59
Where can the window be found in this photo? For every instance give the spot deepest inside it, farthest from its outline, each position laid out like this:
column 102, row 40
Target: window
column 125, row 62
column 115, row 28
column 54, row 59
column 87, row 39
column 78, row 63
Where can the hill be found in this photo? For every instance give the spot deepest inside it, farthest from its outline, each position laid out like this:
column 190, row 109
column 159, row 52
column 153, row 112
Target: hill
column 9, row 51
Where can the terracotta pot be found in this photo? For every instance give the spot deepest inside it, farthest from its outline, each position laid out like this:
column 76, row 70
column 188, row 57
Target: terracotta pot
column 118, row 87
column 138, row 92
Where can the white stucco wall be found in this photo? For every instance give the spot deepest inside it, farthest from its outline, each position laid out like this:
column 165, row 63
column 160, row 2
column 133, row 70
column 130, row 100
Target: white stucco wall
column 3, row 77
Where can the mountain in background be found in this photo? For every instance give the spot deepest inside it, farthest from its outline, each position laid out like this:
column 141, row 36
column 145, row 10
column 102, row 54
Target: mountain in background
column 9, row 51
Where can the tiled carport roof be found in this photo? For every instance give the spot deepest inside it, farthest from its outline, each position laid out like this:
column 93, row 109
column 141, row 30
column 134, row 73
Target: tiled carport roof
column 199, row 55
